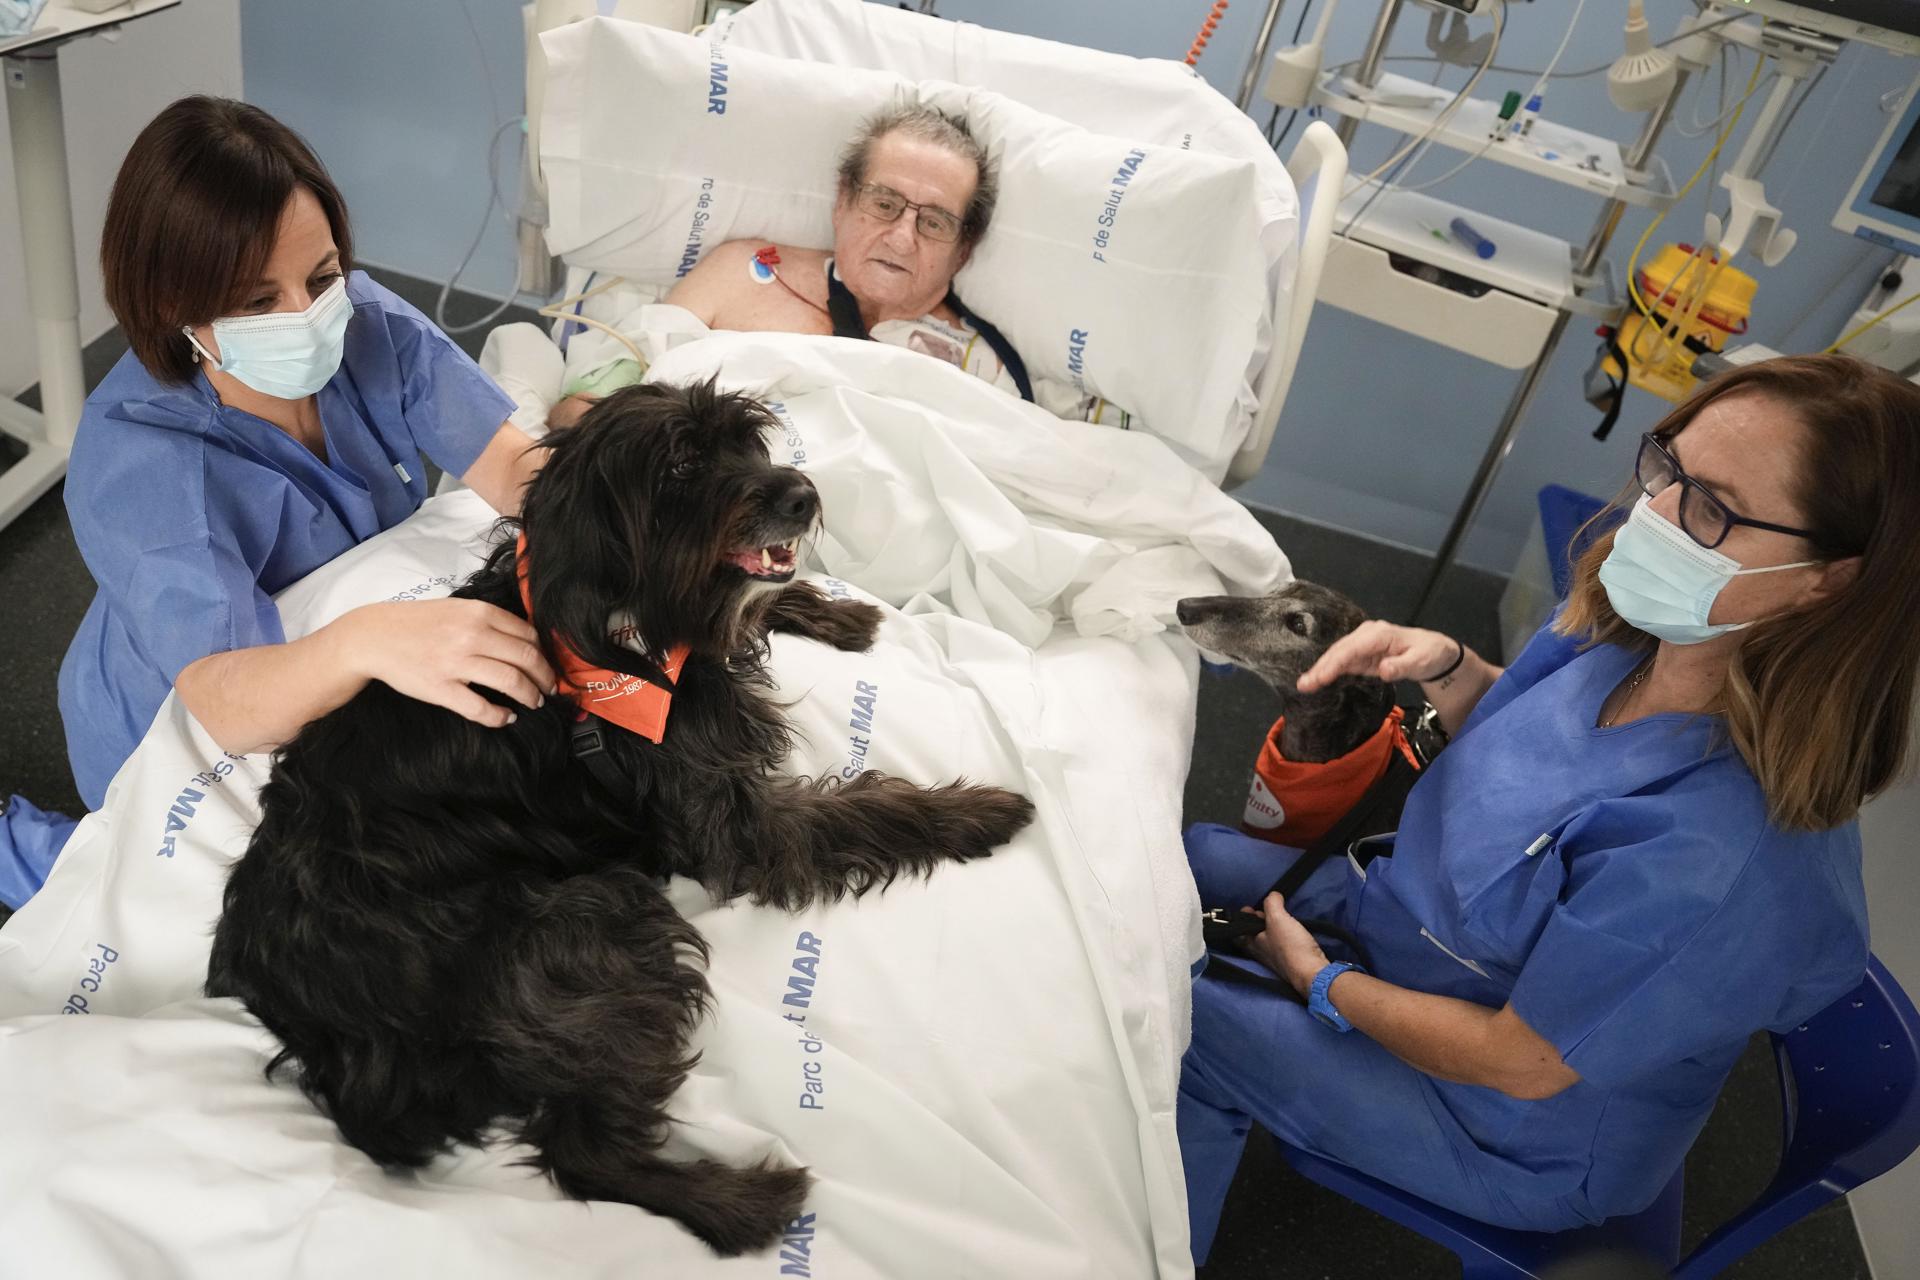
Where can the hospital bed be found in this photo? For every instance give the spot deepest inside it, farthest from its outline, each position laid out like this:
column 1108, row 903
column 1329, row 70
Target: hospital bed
column 980, row 1068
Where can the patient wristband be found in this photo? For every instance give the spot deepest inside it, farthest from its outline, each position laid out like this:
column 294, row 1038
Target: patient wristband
column 1459, row 657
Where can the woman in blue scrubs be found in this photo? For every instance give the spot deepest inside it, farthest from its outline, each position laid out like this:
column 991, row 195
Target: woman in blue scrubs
column 271, row 414
column 1640, row 848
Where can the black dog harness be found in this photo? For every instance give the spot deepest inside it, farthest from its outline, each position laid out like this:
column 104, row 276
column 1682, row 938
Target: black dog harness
column 1357, row 835
column 587, row 740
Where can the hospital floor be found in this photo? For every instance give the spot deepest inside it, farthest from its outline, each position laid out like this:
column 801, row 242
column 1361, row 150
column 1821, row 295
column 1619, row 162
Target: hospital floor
column 1277, row 1225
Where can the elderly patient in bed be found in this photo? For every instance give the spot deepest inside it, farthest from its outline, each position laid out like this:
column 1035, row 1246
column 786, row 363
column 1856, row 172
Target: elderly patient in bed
column 917, row 191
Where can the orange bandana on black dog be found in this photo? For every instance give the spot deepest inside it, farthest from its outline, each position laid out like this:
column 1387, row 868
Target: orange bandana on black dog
column 636, row 705
column 1297, row 804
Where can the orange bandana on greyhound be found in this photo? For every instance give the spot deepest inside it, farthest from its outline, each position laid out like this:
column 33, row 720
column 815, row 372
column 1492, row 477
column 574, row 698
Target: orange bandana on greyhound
column 628, row 701
column 1297, row 804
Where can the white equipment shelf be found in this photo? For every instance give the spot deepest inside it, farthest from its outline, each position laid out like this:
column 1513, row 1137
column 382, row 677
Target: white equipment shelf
column 1549, row 150
column 1390, row 267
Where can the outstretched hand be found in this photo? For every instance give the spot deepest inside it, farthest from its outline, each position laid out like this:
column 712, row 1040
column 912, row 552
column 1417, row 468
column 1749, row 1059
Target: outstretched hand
column 1381, row 650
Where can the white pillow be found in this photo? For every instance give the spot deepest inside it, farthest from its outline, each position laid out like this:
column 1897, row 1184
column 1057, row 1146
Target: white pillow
column 1131, row 270
column 1152, row 98
column 1155, row 99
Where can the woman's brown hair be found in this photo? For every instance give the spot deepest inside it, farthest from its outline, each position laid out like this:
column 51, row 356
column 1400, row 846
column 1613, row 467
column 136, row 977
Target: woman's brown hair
column 192, row 219
column 1820, row 702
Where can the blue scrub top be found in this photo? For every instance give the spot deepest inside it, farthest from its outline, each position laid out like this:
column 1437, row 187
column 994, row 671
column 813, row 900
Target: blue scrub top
column 1625, row 890
column 192, row 514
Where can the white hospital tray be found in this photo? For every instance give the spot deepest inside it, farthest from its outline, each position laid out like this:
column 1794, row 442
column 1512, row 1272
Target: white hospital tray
column 1553, row 151
column 1528, row 263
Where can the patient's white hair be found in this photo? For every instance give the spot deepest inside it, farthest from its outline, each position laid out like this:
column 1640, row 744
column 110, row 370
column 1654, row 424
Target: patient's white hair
column 941, row 129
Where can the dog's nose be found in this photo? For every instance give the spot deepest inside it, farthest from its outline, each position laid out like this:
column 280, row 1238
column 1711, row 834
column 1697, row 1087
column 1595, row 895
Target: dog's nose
column 1190, row 610
column 798, row 500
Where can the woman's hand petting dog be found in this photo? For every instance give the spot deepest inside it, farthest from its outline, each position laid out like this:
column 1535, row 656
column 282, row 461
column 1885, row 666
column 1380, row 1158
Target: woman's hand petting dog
column 1285, row 946
column 433, row 650
column 1383, row 651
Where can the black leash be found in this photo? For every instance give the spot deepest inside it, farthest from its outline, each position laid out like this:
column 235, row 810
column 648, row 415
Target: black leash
column 1376, row 813
column 844, row 311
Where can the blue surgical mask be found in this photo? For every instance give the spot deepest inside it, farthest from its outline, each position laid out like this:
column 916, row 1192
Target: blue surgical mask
column 285, row 354
column 1660, row 580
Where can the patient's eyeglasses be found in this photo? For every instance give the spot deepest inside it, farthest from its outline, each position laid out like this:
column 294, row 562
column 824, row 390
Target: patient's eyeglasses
column 884, row 204
column 1703, row 517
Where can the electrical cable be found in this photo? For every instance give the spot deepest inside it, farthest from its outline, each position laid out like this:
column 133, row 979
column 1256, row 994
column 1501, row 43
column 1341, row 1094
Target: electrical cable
column 1773, row 143
column 1294, row 114
column 1702, row 282
column 480, row 52
column 558, row 310
column 1701, row 129
column 1870, row 255
column 486, row 220
column 1820, row 130
column 494, row 198
column 1849, row 337
column 1720, row 60
column 1286, row 129
column 1444, row 116
column 1486, row 146
column 1589, row 71
column 1713, row 164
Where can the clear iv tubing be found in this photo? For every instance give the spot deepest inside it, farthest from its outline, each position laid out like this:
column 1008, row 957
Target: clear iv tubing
column 558, row 311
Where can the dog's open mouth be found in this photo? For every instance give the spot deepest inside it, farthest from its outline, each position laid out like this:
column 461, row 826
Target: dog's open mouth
column 775, row 563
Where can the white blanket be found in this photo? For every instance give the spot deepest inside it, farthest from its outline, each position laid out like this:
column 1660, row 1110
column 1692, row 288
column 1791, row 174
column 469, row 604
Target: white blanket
column 980, row 1068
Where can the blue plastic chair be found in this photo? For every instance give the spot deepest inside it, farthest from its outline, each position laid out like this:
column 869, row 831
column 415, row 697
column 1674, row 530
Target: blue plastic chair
column 1850, row 1095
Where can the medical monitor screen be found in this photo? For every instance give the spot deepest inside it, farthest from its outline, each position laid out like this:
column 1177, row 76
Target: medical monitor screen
column 1898, row 190
column 1840, row 17
column 1884, row 204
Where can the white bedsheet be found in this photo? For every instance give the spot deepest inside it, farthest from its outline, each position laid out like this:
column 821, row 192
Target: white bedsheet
column 980, row 1068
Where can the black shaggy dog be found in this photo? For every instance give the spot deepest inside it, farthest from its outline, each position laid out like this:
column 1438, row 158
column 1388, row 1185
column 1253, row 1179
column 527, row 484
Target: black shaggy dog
column 452, row 928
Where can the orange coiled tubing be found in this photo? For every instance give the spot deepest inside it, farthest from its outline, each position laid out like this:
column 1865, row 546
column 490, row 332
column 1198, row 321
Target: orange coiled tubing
column 1207, row 29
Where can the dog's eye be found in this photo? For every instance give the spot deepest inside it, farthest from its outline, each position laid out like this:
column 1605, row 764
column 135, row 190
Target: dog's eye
column 684, row 471
column 1300, row 624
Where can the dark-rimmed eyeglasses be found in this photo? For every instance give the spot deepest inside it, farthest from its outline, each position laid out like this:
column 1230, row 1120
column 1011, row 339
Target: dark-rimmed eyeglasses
column 1704, row 518
column 884, row 204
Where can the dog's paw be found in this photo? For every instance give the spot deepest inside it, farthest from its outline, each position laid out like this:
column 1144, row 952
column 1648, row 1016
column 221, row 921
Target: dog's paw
column 757, row 1206
column 803, row 609
column 850, row 626
column 988, row 817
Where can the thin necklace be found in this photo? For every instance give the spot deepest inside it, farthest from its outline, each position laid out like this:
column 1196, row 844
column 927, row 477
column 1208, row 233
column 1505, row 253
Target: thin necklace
column 1645, row 669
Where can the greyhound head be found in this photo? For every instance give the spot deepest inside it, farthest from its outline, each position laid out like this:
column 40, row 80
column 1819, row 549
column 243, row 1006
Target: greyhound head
column 1278, row 637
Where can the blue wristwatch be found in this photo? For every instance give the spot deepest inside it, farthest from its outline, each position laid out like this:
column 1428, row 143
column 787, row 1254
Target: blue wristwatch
column 1318, row 1004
